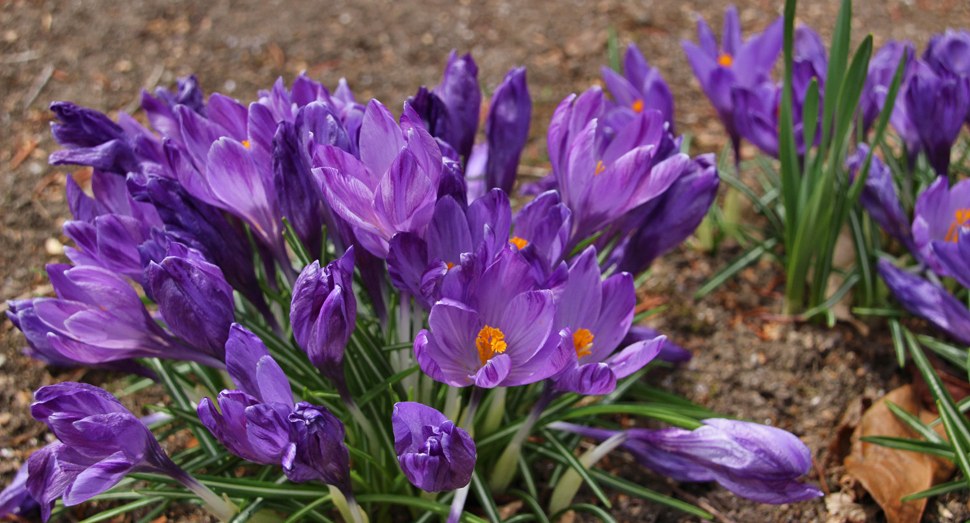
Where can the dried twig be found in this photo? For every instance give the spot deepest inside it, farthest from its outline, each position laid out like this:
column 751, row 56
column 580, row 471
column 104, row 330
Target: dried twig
column 150, row 84
column 45, row 76
column 19, row 58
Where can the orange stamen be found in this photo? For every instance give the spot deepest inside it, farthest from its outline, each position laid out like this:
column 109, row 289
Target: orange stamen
column 518, row 242
column 960, row 219
column 448, row 266
column 637, row 106
column 599, row 168
column 725, row 60
column 582, row 342
column 245, row 143
column 490, row 342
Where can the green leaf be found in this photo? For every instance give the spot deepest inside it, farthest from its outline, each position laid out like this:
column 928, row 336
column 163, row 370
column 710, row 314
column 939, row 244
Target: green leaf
column 573, row 462
column 604, row 516
column 838, row 56
column 419, row 503
column 383, row 386
column 917, row 425
column 954, row 355
column 650, row 411
column 958, row 441
column 914, row 445
column 787, row 150
column 627, row 487
column 939, row 490
column 533, row 504
column 747, row 258
column 613, row 48
column 485, row 499
column 117, row 511
column 293, row 240
column 649, row 312
column 898, row 342
column 810, row 112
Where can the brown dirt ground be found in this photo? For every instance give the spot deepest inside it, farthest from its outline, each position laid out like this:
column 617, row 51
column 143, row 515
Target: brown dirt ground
column 99, row 54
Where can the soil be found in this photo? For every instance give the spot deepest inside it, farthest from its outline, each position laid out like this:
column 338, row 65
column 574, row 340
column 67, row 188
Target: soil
column 99, row 54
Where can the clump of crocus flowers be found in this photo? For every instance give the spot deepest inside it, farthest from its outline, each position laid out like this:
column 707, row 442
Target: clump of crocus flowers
column 343, row 288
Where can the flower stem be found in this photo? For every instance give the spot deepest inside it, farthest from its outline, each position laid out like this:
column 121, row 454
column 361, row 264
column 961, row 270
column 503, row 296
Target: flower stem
column 505, row 468
column 468, row 422
column 219, row 507
column 568, row 486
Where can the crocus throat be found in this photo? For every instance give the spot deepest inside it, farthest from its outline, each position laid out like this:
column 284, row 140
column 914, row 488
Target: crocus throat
column 637, row 106
column 599, row 168
column 490, row 342
column 582, row 342
column 960, row 219
column 725, row 60
column 518, row 242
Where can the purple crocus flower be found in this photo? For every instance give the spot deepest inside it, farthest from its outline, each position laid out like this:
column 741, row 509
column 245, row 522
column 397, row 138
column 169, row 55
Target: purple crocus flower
column 882, row 68
column 640, row 87
column 670, row 352
column 435, row 455
column 754, row 461
column 443, row 261
column 451, row 110
column 205, row 228
column 735, row 64
column 937, row 103
column 879, row 197
column 600, row 180
column 954, row 256
column 252, row 422
column 394, row 185
column 98, row 318
column 940, row 213
column 194, row 300
column 323, row 313
column 928, row 301
column 595, row 315
column 507, row 129
column 666, row 221
column 300, row 199
column 91, row 138
column 542, row 230
column 321, row 452
column 35, row 330
column 99, row 443
column 949, row 52
column 499, row 337
column 15, row 499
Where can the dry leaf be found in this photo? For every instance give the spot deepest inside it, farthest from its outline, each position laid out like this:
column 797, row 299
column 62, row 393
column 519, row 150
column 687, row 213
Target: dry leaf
column 842, row 508
column 889, row 474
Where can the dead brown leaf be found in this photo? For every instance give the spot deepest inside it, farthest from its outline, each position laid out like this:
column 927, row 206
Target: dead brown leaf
column 889, row 474
column 23, row 151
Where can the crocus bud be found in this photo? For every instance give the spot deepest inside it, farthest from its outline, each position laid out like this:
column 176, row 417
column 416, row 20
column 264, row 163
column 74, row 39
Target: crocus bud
column 460, row 93
column 323, row 313
column 879, row 196
column 195, row 301
column 434, row 454
column 507, row 129
column 928, row 301
column 252, row 422
column 937, row 103
column 754, row 461
column 91, row 138
column 320, row 452
column 100, row 442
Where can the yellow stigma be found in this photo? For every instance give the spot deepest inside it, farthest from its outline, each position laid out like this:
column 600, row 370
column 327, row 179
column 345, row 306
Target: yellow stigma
column 490, row 342
column 518, row 242
column 725, row 60
column 582, row 341
column 599, row 168
column 448, row 266
column 960, row 219
column 245, row 143
column 637, row 106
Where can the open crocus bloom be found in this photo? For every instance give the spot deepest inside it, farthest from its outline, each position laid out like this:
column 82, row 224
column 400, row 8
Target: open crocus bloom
column 392, row 187
column 940, row 214
column 734, row 64
column 595, row 315
column 499, row 338
column 600, row 179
